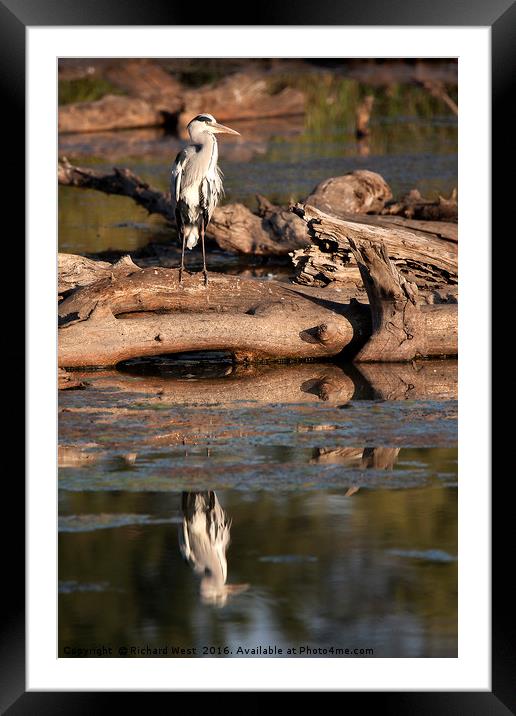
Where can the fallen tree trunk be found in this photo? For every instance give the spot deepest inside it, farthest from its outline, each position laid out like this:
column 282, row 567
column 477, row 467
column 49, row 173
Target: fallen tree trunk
column 274, row 230
column 110, row 112
column 398, row 329
column 154, row 98
column 426, row 258
column 148, row 313
column 243, row 95
column 415, row 206
column 143, row 312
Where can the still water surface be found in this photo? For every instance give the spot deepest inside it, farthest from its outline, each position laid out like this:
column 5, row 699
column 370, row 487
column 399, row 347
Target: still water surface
column 336, row 493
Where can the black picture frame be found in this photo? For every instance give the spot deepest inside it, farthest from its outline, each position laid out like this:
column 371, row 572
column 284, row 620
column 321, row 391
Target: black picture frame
column 500, row 16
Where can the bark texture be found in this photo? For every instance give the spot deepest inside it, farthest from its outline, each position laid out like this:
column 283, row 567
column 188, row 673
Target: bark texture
column 137, row 312
column 426, row 257
column 146, row 312
column 358, row 192
column 399, row 330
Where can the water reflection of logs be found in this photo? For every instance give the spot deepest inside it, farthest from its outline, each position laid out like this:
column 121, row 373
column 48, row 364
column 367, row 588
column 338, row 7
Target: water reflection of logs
column 296, row 383
column 432, row 380
column 377, row 458
column 302, row 383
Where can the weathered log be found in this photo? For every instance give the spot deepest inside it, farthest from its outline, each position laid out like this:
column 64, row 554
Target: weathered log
column 142, row 312
column 110, row 112
column 243, row 95
column 414, row 206
column 148, row 313
column 154, row 97
column 358, row 192
column 273, row 231
column 122, row 182
column 398, row 331
column 73, row 271
column 270, row 233
column 425, row 258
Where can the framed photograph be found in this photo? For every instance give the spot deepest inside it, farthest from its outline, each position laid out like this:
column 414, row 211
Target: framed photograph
column 250, row 429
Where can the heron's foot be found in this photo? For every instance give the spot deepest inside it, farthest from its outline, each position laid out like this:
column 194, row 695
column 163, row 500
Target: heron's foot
column 205, row 274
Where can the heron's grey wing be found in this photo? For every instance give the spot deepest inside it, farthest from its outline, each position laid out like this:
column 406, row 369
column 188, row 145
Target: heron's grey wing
column 179, row 176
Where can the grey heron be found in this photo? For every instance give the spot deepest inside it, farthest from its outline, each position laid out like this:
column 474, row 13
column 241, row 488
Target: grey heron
column 196, row 184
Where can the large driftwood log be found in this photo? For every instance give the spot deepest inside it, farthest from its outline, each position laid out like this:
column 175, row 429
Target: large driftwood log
column 110, row 112
column 414, row 206
column 399, row 331
column 358, row 192
column 243, row 95
column 148, row 313
column 426, row 258
column 143, row 312
column 274, row 231
column 154, row 98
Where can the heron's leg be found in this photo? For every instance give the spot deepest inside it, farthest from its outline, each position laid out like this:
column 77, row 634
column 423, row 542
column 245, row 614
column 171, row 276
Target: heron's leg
column 204, row 269
column 181, row 268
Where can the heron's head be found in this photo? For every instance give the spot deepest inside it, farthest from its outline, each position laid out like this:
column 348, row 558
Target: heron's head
column 207, row 124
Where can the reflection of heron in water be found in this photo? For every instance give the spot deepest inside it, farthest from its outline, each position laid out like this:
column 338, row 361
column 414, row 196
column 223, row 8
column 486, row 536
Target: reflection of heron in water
column 203, row 541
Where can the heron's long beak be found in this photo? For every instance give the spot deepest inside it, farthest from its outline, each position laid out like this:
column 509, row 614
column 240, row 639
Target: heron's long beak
column 222, row 129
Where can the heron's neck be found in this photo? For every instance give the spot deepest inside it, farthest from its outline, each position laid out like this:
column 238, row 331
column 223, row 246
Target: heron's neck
column 207, row 147
column 210, row 150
